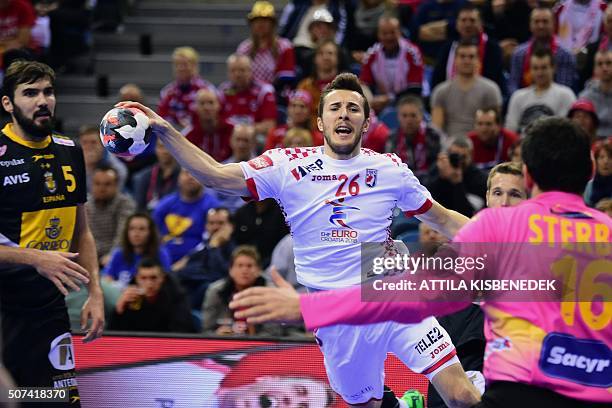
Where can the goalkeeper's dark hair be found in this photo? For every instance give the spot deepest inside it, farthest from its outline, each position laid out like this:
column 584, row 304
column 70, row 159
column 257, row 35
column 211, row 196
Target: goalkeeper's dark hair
column 25, row 72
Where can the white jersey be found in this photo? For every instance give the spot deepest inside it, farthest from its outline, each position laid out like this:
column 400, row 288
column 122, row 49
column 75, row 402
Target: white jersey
column 331, row 206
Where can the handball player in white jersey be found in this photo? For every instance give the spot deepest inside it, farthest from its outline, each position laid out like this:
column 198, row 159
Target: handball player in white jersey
column 335, row 197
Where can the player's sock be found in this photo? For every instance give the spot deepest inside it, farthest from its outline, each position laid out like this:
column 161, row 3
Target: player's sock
column 412, row 399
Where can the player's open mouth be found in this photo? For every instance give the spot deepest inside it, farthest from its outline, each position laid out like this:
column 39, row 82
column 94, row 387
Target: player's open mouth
column 343, row 130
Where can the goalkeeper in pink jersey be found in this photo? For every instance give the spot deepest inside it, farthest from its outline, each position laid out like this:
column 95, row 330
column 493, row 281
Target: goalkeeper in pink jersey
column 539, row 354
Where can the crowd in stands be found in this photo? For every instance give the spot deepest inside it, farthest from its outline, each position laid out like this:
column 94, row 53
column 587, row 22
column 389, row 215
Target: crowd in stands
column 453, row 86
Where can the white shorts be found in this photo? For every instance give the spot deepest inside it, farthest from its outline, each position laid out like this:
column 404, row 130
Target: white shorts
column 355, row 355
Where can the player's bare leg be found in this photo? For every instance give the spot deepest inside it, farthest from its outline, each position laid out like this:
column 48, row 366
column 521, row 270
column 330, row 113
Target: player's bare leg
column 455, row 388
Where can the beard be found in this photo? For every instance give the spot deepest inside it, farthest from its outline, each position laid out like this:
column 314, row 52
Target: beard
column 37, row 132
column 343, row 150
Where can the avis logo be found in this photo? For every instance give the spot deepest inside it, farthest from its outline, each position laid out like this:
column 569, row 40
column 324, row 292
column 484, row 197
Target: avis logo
column 339, row 217
column 16, row 179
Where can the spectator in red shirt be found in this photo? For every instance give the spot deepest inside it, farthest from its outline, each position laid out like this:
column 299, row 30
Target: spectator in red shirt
column 177, row 99
column 208, row 131
column 246, row 100
column 298, row 116
column 17, row 17
column 273, row 57
column 491, row 142
column 393, row 66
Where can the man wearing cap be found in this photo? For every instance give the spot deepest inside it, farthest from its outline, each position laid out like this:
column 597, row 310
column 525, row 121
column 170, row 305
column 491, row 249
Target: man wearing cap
column 273, row 58
column 321, row 28
column 393, row 66
column 599, row 91
column 584, row 115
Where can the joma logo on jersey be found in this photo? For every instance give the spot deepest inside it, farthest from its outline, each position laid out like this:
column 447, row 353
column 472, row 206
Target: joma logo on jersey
column 16, row 179
column 38, row 157
column 301, row 171
column 325, row 177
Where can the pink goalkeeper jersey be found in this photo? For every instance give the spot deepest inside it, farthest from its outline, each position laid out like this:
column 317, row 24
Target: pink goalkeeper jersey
column 561, row 346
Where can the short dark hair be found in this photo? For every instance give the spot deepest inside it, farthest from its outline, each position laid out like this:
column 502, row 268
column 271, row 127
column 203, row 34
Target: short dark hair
column 24, row 72
column 557, row 154
column 150, row 262
column 411, row 100
column 504, row 168
column 469, row 8
column 470, row 42
column 104, row 167
column 493, row 109
column 346, row 81
column 543, row 52
column 246, row 250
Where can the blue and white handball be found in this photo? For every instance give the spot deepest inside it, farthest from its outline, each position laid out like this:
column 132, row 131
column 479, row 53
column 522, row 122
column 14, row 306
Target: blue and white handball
column 125, row 132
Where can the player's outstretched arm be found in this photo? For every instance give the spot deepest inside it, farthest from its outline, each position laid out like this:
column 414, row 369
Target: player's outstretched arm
column 446, row 221
column 227, row 178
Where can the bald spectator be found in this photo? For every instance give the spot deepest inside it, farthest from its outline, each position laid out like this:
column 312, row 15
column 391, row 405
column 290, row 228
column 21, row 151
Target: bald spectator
column 455, row 101
column 415, row 142
column 95, row 155
column 393, row 66
column 131, row 92
column 543, row 98
column 208, row 130
column 17, row 18
column 583, row 114
column 155, row 182
column 490, row 140
column 246, row 100
column 177, row 99
column 107, row 210
column 273, row 57
column 469, row 26
column 242, row 144
column 599, row 91
column 542, row 27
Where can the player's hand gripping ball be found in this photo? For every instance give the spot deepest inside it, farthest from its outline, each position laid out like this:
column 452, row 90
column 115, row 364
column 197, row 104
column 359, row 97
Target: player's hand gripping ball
column 125, row 132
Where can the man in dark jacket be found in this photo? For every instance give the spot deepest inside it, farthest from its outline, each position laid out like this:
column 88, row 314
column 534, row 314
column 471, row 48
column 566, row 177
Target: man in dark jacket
column 469, row 27
column 155, row 302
